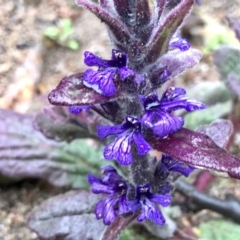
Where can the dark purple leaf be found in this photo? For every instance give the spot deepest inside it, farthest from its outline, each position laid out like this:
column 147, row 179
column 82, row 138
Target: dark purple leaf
column 118, row 29
column 176, row 62
column 158, row 10
column 159, row 40
column 198, row 150
column 122, row 8
column 142, row 13
column 219, row 131
column 58, row 123
column 105, row 3
column 72, row 92
column 26, row 153
column 67, row 217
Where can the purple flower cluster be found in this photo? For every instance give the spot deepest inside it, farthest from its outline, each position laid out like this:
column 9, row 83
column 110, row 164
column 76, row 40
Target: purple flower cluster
column 102, row 80
column 115, row 186
column 156, row 116
column 124, row 91
column 145, row 202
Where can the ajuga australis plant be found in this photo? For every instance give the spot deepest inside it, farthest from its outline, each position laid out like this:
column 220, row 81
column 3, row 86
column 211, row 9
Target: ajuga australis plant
column 136, row 106
column 147, row 52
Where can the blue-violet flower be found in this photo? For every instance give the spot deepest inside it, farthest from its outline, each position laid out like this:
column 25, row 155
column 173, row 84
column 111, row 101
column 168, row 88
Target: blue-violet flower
column 169, row 164
column 102, row 80
column 158, row 115
column 77, row 109
column 120, row 148
column 145, row 201
column 116, row 203
column 180, row 43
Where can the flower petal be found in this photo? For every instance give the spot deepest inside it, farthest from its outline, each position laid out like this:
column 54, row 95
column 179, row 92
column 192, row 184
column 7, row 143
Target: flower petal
column 123, row 206
column 162, row 123
column 109, row 214
column 177, row 166
column 108, row 168
column 112, row 178
column 134, row 205
column 142, row 145
column 184, row 103
column 92, row 60
column 77, row 109
column 104, row 130
column 172, row 93
column 120, row 150
column 163, row 200
column 173, row 100
column 151, row 212
column 98, row 187
column 100, row 81
column 99, row 209
column 180, row 43
column 125, row 72
column 92, row 178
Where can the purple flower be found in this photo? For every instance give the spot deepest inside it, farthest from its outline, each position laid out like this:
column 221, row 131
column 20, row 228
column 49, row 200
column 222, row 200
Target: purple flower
column 168, row 164
column 147, row 203
column 120, row 148
column 158, row 115
column 115, row 186
column 102, row 80
column 77, row 109
column 180, row 43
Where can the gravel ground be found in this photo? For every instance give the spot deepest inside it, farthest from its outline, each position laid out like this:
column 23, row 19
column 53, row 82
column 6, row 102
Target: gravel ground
column 16, row 202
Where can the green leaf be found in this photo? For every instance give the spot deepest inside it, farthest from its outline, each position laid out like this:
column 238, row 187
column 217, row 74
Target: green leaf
column 52, row 33
column 219, row 230
column 78, row 159
column 66, row 23
column 73, row 44
column 215, row 41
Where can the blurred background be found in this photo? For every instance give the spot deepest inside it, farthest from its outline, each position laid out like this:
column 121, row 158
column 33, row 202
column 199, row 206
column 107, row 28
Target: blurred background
column 41, row 41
